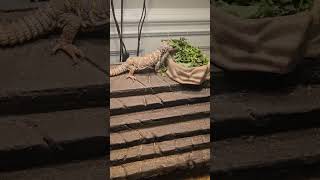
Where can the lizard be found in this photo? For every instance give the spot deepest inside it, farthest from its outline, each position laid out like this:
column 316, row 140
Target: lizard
column 68, row 16
column 154, row 59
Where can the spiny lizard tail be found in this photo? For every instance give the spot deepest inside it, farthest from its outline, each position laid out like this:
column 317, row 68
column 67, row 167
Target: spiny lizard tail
column 71, row 16
column 154, row 59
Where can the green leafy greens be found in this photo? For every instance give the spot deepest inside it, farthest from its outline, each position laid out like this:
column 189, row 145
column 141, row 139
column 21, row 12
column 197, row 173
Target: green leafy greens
column 252, row 9
column 187, row 54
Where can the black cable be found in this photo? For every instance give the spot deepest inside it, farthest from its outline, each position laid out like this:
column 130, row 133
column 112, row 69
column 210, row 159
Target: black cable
column 140, row 25
column 124, row 53
column 121, row 28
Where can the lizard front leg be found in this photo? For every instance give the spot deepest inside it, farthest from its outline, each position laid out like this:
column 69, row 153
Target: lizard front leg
column 161, row 61
column 70, row 26
column 131, row 73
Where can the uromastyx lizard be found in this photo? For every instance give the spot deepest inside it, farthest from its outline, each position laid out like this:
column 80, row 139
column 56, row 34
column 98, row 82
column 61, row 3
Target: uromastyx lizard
column 154, row 59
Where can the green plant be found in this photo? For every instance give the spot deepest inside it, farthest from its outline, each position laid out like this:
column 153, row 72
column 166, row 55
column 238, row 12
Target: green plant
column 264, row 8
column 187, row 54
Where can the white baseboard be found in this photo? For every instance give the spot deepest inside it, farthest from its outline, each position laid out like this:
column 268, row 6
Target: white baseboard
column 168, row 15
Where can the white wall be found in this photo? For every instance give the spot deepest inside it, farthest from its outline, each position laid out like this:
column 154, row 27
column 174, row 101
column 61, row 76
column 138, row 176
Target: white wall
column 165, row 19
column 133, row 4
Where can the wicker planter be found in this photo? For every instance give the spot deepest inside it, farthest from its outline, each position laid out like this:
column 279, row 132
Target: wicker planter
column 185, row 75
column 313, row 41
column 274, row 44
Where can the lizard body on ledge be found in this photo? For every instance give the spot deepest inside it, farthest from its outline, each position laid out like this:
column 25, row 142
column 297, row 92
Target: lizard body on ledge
column 70, row 16
column 154, row 59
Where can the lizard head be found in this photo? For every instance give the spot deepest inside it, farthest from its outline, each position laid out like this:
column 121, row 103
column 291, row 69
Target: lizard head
column 165, row 46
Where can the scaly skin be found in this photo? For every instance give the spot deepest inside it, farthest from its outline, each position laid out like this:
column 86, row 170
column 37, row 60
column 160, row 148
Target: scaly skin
column 69, row 16
column 133, row 64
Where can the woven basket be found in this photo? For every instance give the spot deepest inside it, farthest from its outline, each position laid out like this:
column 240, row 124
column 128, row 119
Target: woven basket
column 273, row 44
column 185, row 75
column 313, row 41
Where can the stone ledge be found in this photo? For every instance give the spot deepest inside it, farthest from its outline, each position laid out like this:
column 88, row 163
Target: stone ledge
column 163, row 165
column 262, row 113
column 44, row 138
column 159, row 133
column 158, row 116
column 130, row 104
column 276, row 151
column 76, row 170
column 158, row 149
column 306, row 73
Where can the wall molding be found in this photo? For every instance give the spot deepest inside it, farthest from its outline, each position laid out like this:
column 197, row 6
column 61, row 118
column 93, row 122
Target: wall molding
column 131, row 52
column 164, row 22
column 134, row 52
column 163, row 34
column 168, row 15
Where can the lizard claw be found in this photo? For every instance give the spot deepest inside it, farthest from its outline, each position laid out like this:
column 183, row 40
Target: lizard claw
column 69, row 49
column 133, row 78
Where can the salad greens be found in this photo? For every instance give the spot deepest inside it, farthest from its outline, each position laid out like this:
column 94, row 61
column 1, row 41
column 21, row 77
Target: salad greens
column 187, row 54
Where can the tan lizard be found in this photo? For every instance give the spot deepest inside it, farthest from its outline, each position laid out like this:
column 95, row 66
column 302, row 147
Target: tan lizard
column 69, row 16
column 154, row 59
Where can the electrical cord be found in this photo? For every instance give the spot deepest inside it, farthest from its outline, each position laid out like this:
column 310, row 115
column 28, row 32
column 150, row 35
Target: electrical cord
column 140, row 25
column 121, row 28
column 124, row 55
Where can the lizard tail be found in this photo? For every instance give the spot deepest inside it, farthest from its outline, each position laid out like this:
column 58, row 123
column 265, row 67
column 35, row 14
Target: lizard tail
column 27, row 28
column 118, row 70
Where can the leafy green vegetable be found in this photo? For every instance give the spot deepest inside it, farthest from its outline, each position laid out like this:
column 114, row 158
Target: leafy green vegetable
column 252, row 9
column 187, row 54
